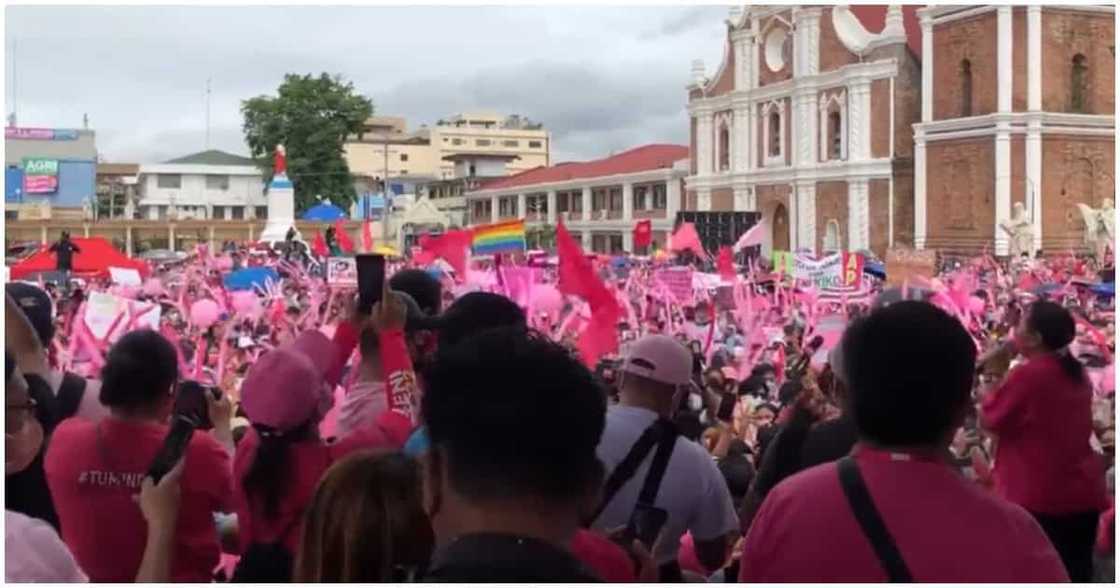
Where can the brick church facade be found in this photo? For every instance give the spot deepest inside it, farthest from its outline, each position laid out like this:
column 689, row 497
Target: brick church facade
column 869, row 127
column 1018, row 105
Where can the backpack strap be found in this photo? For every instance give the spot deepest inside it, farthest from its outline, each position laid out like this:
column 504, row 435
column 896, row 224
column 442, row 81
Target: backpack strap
column 871, row 522
column 657, row 468
column 629, row 464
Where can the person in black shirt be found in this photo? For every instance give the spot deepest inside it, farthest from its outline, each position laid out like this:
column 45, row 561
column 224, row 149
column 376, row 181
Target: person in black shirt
column 513, row 421
column 64, row 250
column 807, row 439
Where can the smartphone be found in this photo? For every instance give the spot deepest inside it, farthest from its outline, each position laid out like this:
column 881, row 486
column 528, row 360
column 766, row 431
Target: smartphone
column 726, row 409
column 371, row 280
column 173, row 448
column 646, row 523
column 191, row 402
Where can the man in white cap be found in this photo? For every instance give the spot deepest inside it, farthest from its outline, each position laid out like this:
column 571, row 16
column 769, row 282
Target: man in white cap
column 691, row 491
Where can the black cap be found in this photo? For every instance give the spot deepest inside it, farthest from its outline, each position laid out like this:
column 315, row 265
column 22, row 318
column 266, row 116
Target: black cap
column 36, row 306
column 421, row 286
column 473, row 313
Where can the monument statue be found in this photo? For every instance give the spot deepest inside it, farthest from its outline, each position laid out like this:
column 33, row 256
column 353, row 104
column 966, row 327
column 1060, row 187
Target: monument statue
column 281, row 200
column 280, row 162
column 87, row 209
column 1099, row 226
column 1020, row 231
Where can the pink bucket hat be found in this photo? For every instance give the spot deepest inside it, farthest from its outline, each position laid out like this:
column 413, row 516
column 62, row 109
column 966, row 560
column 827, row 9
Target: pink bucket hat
column 282, row 390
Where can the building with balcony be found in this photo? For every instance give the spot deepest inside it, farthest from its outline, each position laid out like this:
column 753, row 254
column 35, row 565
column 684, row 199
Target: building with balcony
column 808, row 120
column 386, row 148
column 598, row 201
column 116, row 190
column 207, row 185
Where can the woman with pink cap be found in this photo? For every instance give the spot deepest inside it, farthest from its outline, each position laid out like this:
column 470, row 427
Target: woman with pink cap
column 281, row 459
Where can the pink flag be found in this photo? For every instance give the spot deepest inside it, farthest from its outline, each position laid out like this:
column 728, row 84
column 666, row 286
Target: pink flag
column 687, row 239
column 753, row 236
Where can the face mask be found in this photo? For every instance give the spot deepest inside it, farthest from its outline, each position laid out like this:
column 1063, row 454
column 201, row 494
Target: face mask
column 21, row 447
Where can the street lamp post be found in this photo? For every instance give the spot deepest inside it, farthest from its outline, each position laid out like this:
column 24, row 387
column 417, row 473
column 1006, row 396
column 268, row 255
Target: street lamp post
column 385, row 195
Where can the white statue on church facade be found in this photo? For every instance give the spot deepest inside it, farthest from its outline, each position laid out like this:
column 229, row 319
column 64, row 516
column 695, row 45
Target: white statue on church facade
column 1099, row 226
column 1020, row 231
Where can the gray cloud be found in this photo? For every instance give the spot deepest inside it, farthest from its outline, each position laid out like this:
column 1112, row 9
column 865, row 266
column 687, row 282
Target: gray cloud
column 688, row 19
column 590, row 73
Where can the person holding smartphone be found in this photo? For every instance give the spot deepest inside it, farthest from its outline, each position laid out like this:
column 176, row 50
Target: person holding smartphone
column 95, row 468
column 282, row 456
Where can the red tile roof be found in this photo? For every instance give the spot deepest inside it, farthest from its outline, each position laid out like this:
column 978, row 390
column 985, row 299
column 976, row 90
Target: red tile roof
column 874, row 18
column 638, row 159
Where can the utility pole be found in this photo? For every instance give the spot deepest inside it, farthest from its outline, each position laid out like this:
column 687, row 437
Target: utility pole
column 15, row 84
column 208, row 113
column 385, row 194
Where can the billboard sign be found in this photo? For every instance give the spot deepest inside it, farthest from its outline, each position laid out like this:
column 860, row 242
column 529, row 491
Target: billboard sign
column 40, row 134
column 40, row 176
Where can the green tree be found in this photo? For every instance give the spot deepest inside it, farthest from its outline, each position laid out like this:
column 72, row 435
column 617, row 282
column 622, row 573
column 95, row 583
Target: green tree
column 312, row 117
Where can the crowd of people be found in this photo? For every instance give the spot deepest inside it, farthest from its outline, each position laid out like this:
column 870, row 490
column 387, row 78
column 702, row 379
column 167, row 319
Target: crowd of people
column 957, row 428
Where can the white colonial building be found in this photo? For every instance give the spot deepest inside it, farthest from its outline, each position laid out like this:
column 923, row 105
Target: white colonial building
column 207, row 185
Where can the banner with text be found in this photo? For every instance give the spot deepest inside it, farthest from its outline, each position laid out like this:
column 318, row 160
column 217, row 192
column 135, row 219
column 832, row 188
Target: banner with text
column 907, row 264
column 678, row 280
column 837, row 271
column 40, row 176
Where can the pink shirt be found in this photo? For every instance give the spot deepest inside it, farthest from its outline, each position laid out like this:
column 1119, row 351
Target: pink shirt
column 1043, row 459
column 947, row 529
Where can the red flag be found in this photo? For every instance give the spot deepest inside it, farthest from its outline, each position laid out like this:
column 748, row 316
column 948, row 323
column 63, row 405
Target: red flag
column 578, row 277
column 725, row 264
column 687, row 239
column 344, row 241
column 319, row 245
column 643, row 233
column 367, row 237
column 452, row 246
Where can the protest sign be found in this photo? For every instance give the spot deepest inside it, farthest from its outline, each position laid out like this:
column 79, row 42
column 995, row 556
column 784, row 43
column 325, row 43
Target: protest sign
column 102, row 310
column 905, row 265
column 125, row 276
column 678, row 280
column 342, row 271
column 842, row 270
column 725, row 298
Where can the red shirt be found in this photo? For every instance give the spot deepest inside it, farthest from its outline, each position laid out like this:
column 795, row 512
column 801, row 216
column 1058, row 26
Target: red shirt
column 95, row 469
column 1043, row 460
column 309, row 460
column 603, row 557
column 947, row 528
column 306, row 464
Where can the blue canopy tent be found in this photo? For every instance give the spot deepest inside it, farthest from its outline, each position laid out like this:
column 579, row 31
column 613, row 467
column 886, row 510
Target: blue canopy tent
column 324, row 212
column 246, row 279
column 1105, row 289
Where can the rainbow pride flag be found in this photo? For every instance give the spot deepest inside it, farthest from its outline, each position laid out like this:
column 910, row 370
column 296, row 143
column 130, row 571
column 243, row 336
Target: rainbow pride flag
column 507, row 237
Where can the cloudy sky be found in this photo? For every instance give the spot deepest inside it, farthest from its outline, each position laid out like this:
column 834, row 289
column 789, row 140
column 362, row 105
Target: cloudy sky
column 601, row 78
